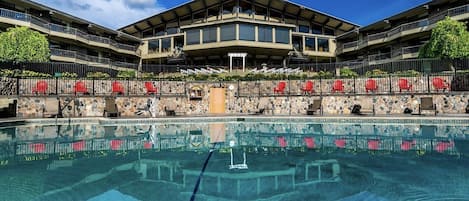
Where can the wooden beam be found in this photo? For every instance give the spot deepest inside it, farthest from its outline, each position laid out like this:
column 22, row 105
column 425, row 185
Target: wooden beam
column 136, row 28
column 339, row 25
column 327, row 21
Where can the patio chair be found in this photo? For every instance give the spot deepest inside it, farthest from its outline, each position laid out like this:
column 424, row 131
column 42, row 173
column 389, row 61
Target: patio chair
column 310, row 144
column 373, row 144
column 116, row 144
column 260, row 112
column 340, row 143
column 282, row 142
column 312, row 108
column 151, row 89
column 51, row 107
column 117, row 88
column 426, row 103
column 367, row 109
column 147, row 145
column 38, row 147
column 79, row 146
column 370, row 85
column 41, row 87
column 308, row 87
column 440, row 84
column 80, row 87
column 444, row 146
column 338, row 86
column 280, row 88
column 111, row 109
column 404, row 85
column 407, row 145
column 169, row 112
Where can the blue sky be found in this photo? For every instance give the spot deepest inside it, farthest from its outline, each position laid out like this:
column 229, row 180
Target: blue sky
column 117, row 13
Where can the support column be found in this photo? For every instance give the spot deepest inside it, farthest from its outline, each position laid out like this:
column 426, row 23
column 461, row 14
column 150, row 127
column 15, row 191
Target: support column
column 244, row 63
column 231, row 63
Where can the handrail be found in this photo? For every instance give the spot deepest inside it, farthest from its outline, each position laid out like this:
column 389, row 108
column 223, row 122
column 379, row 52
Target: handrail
column 63, row 29
column 89, row 58
column 408, row 26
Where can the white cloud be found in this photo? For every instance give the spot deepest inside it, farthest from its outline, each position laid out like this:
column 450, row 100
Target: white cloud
column 109, row 13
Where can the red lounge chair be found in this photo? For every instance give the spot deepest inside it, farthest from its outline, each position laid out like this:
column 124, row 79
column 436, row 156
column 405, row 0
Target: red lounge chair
column 443, row 146
column 150, row 88
column 340, row 143
column 282, row 142
column 407, row 145
column 280, row 87
column 41, row 87
column 338, row 86
column 147, row 145
column 117, row 88
column 80, row 87
column 116, row 144
column 439, row 83
column 78, row 146
column 38, row 147
column 371, row 85
column 404, row 85
column 310, row 142
column 308, row 88
column 373, row 144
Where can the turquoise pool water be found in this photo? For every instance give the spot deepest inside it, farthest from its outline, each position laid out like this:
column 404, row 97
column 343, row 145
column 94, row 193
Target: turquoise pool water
column 258, row 160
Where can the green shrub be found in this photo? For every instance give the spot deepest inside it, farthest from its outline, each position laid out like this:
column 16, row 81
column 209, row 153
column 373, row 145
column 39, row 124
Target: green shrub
column 348, row 73
column 69, row 75
column 376, row 73
column 126, row 74
column 97, row 75
column 148, row 76
column 28, row 73
column 407, row 73
column 323, row 75
column 7, row 73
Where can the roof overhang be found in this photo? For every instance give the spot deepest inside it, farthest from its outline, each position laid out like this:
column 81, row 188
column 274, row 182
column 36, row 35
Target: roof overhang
column 282, row 6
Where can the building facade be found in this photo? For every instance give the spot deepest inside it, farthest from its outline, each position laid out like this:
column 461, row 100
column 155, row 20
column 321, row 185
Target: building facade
column 235, row 33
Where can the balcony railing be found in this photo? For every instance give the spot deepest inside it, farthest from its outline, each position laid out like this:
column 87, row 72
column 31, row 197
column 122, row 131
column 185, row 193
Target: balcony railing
column 63, row 29
column 405, row 27
column 91, row 59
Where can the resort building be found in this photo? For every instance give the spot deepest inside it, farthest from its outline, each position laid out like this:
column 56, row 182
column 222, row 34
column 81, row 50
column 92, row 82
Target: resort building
column 400, row 36
column 235, row 34
column 73, row 39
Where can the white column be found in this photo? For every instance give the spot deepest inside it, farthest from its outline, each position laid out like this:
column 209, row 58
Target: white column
column 244, row 63
column 231, row 63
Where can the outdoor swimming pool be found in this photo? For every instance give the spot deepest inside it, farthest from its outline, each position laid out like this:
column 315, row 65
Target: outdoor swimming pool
column 253, row 159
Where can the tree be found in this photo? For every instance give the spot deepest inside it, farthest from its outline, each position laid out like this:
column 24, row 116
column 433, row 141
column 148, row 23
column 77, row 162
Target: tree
column 20, row 44
column 449, row 40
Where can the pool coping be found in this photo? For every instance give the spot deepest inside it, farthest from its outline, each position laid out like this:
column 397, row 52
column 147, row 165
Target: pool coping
column 404, row 119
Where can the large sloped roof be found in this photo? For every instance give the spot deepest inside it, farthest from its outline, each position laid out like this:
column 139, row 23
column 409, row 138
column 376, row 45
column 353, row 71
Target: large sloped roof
column 279, row 5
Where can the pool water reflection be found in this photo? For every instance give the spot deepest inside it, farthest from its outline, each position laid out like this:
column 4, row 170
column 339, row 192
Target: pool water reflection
column 284, row 161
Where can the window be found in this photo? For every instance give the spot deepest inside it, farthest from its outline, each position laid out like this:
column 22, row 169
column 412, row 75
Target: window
column 148, row 33
column 316, row 29
column 282, row 35
column 265, row 34
column 246, row 32
column 323, row 44
column 310, row 44
column 193, row 36
column 172, row 30
column 210, row 34
column 329, row 32
column 228, row 32
column 303, row 29
column 165, row 44
column 153, row 46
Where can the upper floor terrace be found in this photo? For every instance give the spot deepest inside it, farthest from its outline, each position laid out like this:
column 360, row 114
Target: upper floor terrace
column 15, row 18
column 423, row 25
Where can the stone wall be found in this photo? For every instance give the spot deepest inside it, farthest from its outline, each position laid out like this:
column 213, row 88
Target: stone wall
column 186, row 104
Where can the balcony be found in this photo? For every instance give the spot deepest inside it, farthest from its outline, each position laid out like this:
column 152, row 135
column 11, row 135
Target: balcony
column 458, row 13
column 410, row 52
column 81, row 58
column 23, row 19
